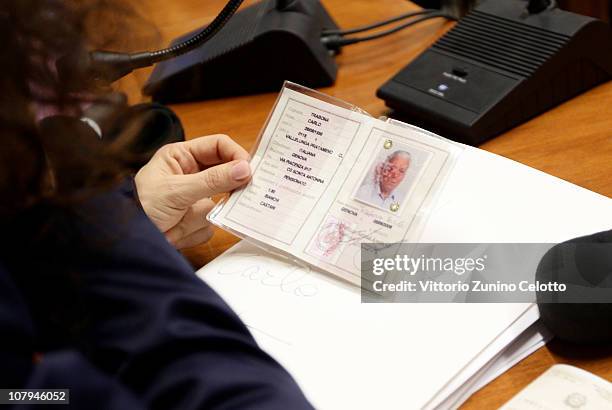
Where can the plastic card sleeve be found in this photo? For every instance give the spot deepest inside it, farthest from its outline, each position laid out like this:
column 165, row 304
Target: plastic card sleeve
column 327, row 177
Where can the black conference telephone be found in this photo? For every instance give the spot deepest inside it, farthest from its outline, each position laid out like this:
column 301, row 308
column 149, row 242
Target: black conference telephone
column 502, row 64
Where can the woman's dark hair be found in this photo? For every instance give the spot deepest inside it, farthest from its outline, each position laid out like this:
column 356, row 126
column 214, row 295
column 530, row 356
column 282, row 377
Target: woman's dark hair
column 39, row 165
column 49, row 168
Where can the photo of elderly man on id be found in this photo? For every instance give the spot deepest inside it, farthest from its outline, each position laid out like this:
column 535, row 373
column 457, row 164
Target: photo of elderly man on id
column 390, row 179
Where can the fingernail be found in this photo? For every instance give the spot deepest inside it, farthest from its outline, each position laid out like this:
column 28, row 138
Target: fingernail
column 241, row 171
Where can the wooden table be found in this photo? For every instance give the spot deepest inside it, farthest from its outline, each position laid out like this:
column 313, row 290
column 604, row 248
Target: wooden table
column 572, row 142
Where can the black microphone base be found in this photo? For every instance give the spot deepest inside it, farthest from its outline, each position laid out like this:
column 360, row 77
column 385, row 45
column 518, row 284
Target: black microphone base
column 259, row 48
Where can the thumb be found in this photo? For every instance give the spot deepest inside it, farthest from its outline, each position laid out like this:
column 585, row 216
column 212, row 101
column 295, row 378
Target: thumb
column 214, row 180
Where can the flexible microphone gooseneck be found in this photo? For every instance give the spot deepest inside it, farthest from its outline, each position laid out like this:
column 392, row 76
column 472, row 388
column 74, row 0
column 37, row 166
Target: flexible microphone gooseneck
column 107, row 66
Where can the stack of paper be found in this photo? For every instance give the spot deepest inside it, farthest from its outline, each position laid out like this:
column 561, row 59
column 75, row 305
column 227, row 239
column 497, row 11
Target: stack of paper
column 345, row 354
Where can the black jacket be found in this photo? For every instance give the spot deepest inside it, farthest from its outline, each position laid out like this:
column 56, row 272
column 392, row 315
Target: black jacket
column 117, row 315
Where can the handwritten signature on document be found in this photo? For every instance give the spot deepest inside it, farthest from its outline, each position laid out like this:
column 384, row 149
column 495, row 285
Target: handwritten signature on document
column 288, row 279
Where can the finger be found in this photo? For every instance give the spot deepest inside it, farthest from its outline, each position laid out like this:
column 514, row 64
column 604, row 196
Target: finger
column 193, row 220
column 215, row 149
column 196, row 238
column 212, row 181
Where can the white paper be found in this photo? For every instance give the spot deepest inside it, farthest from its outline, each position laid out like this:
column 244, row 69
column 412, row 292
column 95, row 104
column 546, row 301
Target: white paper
column 489, row 198
column 486, row 356
column 506, row 357
column 345, row 354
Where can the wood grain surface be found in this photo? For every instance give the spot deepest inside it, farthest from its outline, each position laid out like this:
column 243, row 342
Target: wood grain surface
column 572, row 141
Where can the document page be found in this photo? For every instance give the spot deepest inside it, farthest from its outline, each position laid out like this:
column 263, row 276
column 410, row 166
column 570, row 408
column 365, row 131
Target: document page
column 327, row 177
column 563, row 386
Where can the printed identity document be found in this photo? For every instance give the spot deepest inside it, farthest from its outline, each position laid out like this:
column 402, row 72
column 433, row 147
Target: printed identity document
column 327, row 177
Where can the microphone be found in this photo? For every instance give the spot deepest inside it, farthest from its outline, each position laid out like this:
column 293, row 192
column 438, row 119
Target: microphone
column 100, row 68
column 105, row 67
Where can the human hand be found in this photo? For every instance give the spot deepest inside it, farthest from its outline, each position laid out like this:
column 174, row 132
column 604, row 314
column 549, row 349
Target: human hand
column 175, row 186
